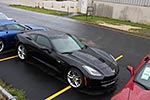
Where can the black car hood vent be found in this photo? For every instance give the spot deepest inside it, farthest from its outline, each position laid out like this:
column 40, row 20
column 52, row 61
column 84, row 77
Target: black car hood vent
column 102, row 60
column 87, row 58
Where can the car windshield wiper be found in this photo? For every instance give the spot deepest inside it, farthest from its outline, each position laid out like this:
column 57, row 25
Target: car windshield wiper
column 141, row 85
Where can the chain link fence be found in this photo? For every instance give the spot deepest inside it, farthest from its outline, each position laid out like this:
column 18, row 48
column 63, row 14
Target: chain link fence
column 145, row 3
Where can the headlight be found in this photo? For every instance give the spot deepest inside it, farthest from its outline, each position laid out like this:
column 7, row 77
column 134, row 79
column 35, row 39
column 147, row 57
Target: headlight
column 91, row 71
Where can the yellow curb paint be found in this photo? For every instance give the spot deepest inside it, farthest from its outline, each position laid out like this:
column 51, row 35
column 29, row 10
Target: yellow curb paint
column 118, row 58
column 58, row 93
column 8, row 58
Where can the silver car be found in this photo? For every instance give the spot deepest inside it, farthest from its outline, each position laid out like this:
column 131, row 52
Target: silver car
column 4, row 17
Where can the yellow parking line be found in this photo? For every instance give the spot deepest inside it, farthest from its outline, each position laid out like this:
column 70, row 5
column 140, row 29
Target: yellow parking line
column 69, row 87
column 119, row 57
column 8, row 58
column 58, row 93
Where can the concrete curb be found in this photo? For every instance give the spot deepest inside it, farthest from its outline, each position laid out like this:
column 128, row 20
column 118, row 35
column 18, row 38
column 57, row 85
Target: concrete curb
column 8, row 95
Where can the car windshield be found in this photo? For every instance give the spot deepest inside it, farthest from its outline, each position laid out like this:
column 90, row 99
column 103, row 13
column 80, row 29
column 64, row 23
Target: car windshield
column 143, row 76
column 67, row 44
column 2, row 16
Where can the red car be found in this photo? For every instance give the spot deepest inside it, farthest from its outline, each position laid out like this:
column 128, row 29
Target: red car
column 138, row 86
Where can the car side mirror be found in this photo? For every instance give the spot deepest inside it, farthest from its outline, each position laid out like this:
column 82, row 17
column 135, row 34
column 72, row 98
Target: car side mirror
column 130, row 68
column 46, row 50
column 86, row 46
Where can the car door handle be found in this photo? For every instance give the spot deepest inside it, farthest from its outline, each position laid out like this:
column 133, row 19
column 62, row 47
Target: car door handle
column 28, row 38
column 6, row 32
column 58, row 61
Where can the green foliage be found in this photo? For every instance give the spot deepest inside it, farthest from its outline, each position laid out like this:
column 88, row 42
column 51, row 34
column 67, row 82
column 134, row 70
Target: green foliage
column 20, row 94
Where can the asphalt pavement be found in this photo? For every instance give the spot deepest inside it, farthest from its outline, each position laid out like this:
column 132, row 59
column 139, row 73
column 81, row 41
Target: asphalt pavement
column 39, row 85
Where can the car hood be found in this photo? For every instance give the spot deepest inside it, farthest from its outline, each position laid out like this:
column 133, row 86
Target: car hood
column 34, row 27
column 132, row 92
column 95, row 58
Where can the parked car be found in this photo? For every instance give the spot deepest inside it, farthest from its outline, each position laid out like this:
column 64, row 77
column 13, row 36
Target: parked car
column 138, row 86
column 81, row 66
column 8, row 30
column 4, row 17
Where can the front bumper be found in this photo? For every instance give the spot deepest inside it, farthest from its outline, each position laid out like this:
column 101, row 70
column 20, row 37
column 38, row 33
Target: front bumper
column 98, row 84
column 91, row 91
column 97, row 87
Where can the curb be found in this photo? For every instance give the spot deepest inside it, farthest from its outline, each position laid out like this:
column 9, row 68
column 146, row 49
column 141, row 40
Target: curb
column 8, row 95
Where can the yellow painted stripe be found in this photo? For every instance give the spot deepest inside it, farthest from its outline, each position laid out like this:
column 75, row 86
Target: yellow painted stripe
column 8, row 58
column 58, row 93
column 118, row 58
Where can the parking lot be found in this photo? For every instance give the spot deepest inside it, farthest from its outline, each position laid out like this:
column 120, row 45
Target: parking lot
column 38, row 85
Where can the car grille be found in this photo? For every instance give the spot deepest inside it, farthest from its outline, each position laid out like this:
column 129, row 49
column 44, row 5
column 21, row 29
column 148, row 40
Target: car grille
column 103, row 83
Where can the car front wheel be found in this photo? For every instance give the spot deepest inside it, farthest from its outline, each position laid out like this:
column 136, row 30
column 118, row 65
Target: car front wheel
column 75, row 78
column 1, row 45
column 22, row 52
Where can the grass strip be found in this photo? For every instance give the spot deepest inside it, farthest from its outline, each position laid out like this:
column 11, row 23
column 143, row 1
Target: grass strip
column 40, row 10
column 97, row 19
column 20, row 94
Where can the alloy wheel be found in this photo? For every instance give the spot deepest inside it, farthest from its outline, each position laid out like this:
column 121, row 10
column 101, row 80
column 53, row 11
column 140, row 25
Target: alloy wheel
column 74, row 78
column 21, row 52
column 1, row 45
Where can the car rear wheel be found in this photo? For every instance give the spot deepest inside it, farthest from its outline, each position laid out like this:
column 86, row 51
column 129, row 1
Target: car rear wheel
column 22, row 52
column 75, row 78
column 1, row 45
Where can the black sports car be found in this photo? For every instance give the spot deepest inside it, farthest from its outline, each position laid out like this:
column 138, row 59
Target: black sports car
column 80, row 65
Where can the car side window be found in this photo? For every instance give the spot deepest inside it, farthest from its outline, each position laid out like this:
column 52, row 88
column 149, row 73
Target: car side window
column 43, row 41
column 2, row 28
column 15, row 27
column 33, row 37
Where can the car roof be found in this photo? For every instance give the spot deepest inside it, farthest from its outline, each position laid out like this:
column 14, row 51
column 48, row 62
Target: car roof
column 6, row 22
column 49, row 33
column 2, row 13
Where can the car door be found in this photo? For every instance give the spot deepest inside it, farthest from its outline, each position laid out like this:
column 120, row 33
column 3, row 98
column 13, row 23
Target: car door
column 3, row 35
column 11, row 31
column 2, row 31
column 45, row 54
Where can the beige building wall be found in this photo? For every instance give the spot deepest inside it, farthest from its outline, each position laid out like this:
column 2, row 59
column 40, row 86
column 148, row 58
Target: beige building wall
column 139, row 14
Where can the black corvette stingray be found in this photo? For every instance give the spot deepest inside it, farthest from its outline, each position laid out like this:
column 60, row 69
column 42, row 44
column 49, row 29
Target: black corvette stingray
column 80, row 65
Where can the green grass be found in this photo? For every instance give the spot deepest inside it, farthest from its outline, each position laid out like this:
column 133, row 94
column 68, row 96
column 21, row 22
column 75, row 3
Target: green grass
column 41, row 10
column 97, row 19
column 20, row 94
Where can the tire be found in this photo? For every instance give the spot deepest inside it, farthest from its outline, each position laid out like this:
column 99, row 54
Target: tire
column 21, row 52
column 75, row 78
column 2, row 46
